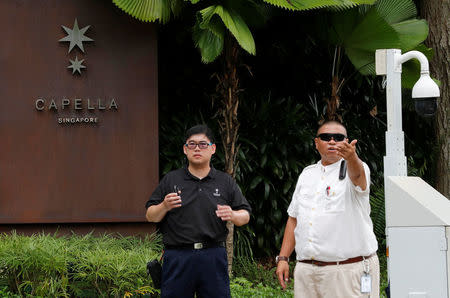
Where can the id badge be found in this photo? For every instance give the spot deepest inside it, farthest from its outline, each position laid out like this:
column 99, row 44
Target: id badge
column 366, row 283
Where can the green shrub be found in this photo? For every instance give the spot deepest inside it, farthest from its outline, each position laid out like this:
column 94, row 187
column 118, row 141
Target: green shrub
column 240, row 287
column 259, row 273
column 80, row 266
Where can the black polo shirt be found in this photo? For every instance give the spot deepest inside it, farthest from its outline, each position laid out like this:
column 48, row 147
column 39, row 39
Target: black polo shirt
column 196, row 219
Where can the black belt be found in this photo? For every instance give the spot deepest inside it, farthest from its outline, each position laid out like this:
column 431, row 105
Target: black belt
column 197, row 245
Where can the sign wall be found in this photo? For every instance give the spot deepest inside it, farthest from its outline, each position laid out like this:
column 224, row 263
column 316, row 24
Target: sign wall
column 78, row 112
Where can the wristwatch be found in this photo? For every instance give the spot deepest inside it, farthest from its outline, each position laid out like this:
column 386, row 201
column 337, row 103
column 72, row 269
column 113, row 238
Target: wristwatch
column 281, row 258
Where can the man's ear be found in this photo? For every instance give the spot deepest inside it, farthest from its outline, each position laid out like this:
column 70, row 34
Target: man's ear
column 184, row 149
column 315, row 143
column 213, row 148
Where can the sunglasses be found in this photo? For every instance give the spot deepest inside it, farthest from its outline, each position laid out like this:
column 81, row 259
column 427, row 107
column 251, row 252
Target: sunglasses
column 337, row 137
column 201, row 145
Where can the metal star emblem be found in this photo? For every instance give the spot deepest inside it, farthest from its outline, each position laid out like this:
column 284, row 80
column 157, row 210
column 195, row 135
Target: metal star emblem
column 76, row 65
column 76, row 36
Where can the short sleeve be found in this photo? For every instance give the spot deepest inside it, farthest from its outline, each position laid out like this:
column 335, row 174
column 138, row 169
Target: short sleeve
column 293, row 206
column 358, row 190
column 158, row 194
column 238, row 202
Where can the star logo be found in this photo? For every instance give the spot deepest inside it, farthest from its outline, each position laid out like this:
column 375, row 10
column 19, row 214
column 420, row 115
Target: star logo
column 76, row 65
column 76, row 36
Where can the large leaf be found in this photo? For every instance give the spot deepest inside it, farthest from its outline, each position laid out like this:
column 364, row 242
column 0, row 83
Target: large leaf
column 387, row 24
column 372, row 33
column 315, row 4
column 253, row 12
column 411, row 33
column 394, row 11
column 150, row 10
column 341, row 27
column 363, row 61
column 209, row 40
column 233, row 22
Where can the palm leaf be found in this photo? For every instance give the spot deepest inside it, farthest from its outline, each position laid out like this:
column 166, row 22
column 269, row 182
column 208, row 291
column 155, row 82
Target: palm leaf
column 411, row 33
column 150, row 10
column 387, row 24
column 363, row 61
column 209, row 39
column 315, row 4
column 394, row 11
column 233, row 22
column 373, row 32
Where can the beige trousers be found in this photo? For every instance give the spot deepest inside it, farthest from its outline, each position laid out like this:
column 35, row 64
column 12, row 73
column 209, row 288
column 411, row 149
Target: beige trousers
column 335, row 281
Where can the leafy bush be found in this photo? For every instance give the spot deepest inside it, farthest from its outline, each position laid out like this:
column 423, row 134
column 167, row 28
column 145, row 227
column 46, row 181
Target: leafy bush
column 240, row 287
column 81, row 266
column 254, row 271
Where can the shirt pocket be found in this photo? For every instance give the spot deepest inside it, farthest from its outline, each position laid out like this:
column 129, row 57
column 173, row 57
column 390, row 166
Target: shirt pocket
column 335, row 201
column 305, row 201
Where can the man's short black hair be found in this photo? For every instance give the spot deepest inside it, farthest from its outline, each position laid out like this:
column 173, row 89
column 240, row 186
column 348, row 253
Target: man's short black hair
column 331, row 122
column 200, row 129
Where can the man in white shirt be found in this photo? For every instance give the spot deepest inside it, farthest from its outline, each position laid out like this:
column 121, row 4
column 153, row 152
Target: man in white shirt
column 329, row 224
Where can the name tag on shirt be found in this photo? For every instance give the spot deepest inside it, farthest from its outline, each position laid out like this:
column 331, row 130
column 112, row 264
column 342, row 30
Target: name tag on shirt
column 366, row 283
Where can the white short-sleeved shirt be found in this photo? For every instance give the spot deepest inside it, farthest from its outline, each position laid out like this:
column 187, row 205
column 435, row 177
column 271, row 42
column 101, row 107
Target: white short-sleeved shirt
column 333, row 216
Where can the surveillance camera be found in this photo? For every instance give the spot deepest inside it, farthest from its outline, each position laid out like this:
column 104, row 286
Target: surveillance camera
column 425, row 107
column 425, row 93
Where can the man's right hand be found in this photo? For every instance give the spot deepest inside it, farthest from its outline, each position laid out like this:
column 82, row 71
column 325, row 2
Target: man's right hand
column 172, row 200
column 283, row 273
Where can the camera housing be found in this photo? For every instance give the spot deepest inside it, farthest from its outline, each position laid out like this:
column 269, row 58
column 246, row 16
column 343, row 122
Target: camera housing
column 425, row 93
column 425, row 107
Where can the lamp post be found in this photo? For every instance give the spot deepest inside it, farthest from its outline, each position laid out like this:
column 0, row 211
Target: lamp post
column 425, row 91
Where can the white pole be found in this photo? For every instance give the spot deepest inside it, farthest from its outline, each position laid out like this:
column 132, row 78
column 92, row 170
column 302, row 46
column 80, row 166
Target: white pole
column 395, row 159
column 389, row 62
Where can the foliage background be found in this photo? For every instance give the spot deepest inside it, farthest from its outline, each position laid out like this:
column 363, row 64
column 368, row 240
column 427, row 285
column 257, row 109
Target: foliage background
column 280, row 106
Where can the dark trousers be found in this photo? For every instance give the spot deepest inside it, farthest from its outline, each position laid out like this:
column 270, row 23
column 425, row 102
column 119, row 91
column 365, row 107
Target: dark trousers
column 202, row 271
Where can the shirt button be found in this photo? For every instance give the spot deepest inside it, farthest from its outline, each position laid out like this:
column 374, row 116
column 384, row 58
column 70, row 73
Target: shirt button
column 199, row 189
column 313, row 209
column 312, row 258
column 310, row 223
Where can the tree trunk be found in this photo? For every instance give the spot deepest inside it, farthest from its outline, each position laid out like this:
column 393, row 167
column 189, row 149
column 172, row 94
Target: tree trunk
column 334, row 101
column 228, row 89
column 437, row 13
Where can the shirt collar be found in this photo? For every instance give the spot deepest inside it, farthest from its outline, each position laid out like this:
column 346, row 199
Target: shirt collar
column 189, row 176
column 329, row 167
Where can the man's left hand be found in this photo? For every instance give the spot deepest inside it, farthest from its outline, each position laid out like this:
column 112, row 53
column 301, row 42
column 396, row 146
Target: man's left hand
column 347, row 151
column 224, row 212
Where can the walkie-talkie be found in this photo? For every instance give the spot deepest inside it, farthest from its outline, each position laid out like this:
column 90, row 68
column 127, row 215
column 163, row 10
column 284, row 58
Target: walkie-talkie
column 343, row 170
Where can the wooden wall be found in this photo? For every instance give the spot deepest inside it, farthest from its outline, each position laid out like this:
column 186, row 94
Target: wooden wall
column 62, row 174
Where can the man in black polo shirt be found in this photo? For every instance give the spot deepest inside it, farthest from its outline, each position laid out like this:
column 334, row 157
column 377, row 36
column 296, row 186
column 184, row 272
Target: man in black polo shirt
column 192, row 205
